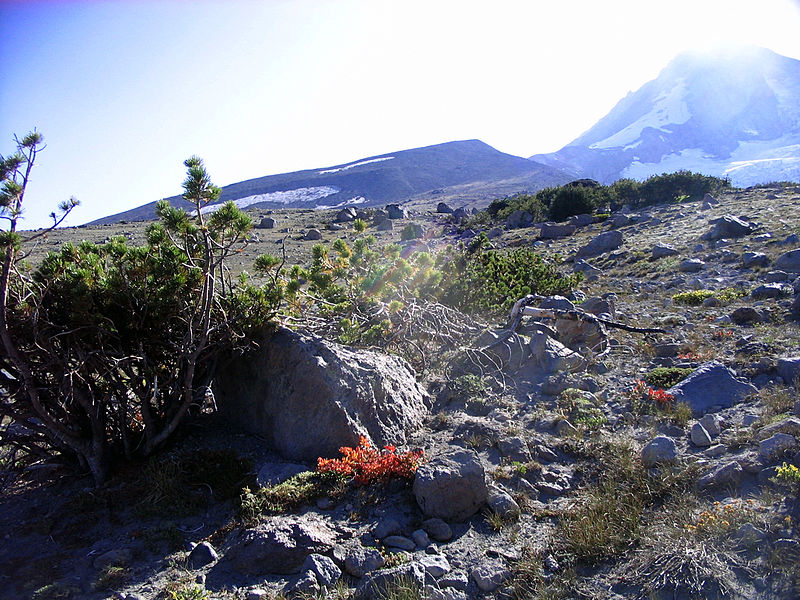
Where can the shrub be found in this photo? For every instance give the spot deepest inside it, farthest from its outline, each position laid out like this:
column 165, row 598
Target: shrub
column 107, row 348
column 573, row 200
column 666, row 377
column 693, row 298
column 412, row 231
column 369, row 465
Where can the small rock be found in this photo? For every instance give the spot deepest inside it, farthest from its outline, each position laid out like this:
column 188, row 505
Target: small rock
column 773, row 448
column 776, row 277
column 502, row 503
column 375, row 584
column 438, row 529
column 789, row 369
column 727, row 475
column 749, row 536
column 746, row 314
column 662, row 250
column 770, row 291
column 451, row 486
column 201, row 555
column 715, row 451
column 304, row 586
column 359, row 561
column 386, row 527
column 400, row 542
column 435, row 565
column 691, row 265
column 421, row 538
column 515, row 448
column 754, row 259
column 605, row 242
column 700, row 436
column 489, row 577
column 710, row 423
column 454, row 579
column 325, row 570
column 313, row 235
column 660, row 450
column 789, row 261
column 727, row 226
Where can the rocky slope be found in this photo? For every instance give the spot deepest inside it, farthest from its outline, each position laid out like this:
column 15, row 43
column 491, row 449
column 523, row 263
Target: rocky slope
column 732, row 113
column 551, row 471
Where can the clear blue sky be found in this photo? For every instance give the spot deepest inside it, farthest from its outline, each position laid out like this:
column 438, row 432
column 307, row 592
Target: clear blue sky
column 124, row 91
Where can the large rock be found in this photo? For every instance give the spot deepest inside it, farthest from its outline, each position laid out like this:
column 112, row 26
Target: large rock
column 727, row 226
column 551, row 356
column 346, row 214
column 660, row 250
column 443, row 208
column 789, row 261
column 266, row 223
column 395, row 211
column 308, row 397
column 711, row 385
column 279, row 545
column 452, row 486
column 519, row 218
column 552, row 231
column 605, row 242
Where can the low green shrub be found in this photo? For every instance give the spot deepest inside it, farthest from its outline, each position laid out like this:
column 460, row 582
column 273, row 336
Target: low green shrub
column 666, row 377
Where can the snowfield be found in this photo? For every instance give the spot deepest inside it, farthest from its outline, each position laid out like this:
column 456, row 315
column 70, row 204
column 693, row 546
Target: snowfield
column 356, row 164
column 307, row 194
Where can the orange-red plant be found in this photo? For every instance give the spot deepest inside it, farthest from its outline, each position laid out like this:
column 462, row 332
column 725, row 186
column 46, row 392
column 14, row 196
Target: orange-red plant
column 367, row 464
column 660, row 396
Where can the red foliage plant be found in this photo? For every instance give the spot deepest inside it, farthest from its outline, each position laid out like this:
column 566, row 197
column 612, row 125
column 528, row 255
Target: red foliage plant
column 368, row 465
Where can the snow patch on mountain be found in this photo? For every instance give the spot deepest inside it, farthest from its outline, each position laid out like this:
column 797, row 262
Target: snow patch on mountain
column 356, row 164
column 305, row 194
column 669, row 108
column 351, row 202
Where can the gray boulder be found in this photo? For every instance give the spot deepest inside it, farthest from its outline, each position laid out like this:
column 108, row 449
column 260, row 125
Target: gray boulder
column 201, row 555
column 774, row 447
column 551, row 356
column 662, row 250
column 502, row 503
column 438, row 529
column 711, row 385
column 266, row 223
column 746, row 314
column 280, row 545
column 699, row 436
column 519, row 218
column 789, row 261
column 385, row 224
column 691, row 265
column 661, row 450
column 324, row 568
column 581, row 220
column 452, row 486
column 313, row 235
column 346, row 215
column 754, row 259
column 552, row 231
column 308, row 397
column 395, row 211
column 770, row 290
column 728, row 475
column 727, row 226
column 358, row 561
column 443, row 208
column 605, row 242
column 460, row 214
column 586, row 268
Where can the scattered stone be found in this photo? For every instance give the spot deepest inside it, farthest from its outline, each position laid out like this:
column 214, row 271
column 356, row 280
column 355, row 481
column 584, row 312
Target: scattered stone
column 266, row 223
column 438, row 529
column 789, row 369
column 711, row 424
column 308, row 397
column 502, row 503
column 279, row 545
column 358, row 560
column 421, row 538
column 400, row 542
column 789, row 261
column 435, row 565
column 712, row 384
column 325, row 570
column 201, row 555
column 304, row 586
column 395, row 211
column 659, row 451
column 699, row 436
column 313, row 235
column 769, row 291
column 746, row 314
column 727, row 475
column 662, row 250
column 754, row 259
column 727, row 226
column 605, row 242
column 691, row 265
column 553, row 231
column 451, row 486
column 773, row 448
column 375, row 584
column 490, row 576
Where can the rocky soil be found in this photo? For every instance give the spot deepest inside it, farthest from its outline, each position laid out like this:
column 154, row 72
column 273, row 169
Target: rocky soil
column 551, row 471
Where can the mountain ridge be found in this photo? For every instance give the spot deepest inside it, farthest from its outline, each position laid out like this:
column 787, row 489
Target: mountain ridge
column 376, row 180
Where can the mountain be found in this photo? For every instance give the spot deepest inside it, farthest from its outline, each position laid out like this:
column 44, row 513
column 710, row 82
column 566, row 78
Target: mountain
column 733, row 113
column 378, row 180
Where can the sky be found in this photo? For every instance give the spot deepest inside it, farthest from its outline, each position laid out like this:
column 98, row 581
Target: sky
column 124, row 91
